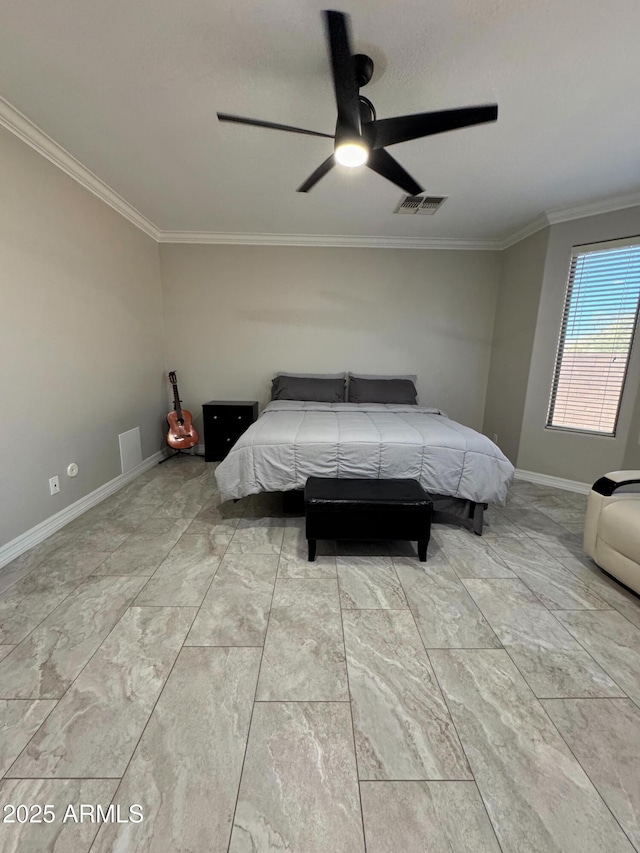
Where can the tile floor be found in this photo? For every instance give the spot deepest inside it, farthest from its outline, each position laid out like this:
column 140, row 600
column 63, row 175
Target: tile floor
column 168, row 651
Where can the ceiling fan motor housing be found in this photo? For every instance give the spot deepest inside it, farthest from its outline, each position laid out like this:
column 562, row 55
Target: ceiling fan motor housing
column 363, row 66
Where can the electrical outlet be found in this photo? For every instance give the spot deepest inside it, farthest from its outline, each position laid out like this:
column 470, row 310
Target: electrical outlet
column 54, row 485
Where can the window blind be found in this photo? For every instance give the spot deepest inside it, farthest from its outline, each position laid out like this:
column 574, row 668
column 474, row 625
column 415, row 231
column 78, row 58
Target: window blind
column 598, row 325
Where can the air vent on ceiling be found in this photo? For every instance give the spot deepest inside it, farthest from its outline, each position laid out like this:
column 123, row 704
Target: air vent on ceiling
column 426, row 205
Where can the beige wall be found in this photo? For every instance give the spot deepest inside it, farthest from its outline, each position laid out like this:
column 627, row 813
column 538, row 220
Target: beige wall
column 235, row 315
column 564, row 454
column 81, row 334
column 80, row 338
column 631, row 458
column 513, row 337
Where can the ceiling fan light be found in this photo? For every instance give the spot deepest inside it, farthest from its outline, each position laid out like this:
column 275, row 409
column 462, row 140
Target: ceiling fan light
column 352, row 154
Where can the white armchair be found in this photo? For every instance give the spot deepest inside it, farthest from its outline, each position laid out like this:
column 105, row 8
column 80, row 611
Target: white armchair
column 612, row 526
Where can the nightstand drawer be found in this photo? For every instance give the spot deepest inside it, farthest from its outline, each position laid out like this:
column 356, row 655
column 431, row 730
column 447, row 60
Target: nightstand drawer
column 224, row 423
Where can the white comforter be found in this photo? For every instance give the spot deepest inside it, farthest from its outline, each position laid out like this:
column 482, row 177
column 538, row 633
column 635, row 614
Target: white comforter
column 291, row 441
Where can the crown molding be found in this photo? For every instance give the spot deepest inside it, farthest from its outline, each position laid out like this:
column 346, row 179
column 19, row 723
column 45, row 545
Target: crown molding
column 594, row 208
column 27, row 131
column 533, row 227
column 18, row 124
column 328, row 240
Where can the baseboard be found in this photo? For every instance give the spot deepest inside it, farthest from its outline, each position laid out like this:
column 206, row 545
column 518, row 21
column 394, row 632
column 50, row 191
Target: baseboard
column 556, row 482
column 50, row 525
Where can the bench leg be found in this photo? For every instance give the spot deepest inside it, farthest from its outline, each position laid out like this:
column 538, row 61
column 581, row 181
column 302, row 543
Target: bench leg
column 312, row 550
column 422, row 550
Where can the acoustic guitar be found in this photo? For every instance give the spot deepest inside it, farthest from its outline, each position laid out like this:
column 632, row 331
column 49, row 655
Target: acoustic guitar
column 181, row 433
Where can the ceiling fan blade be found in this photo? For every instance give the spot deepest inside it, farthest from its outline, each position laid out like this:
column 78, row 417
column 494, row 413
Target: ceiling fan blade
column 384, row 164
column 320, row 172
column 343, row 71
column 389, row 131
column 271, row 125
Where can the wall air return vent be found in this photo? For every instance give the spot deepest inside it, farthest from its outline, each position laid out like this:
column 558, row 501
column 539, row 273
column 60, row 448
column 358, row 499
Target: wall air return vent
column 425, row 205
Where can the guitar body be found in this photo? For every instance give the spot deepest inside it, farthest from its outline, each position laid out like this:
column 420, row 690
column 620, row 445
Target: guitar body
column 181, row 435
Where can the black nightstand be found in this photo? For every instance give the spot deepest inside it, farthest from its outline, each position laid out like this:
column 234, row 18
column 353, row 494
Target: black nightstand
column 224, row 423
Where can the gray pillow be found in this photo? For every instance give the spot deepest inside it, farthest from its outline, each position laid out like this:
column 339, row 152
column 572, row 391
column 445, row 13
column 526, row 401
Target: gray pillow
column 342, row 376
column 399, row 391
column 409, row 376
column 308, row 388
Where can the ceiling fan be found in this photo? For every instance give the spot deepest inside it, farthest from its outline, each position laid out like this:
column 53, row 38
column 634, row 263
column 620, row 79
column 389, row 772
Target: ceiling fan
column 361, row 138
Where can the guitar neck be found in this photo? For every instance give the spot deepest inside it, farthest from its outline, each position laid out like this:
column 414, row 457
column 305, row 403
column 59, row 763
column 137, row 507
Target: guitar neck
column 177, row 401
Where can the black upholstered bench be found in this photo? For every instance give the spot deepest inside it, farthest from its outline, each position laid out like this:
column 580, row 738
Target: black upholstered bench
column 367, row 509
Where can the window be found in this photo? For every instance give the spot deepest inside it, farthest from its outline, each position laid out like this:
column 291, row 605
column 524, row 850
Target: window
column 598, row 324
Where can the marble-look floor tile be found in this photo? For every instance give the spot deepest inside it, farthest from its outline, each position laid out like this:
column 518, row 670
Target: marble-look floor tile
column 294, row 556
column 219, row 540
column 145, row 549
column 127, row 514
column 236, row 608
column 532, row 521
column 369, row 583
column 75, row 558
column 568, row 516
column 362, row 548
column 556, row 587
column 299, row 788
column 612, row 640
column 183, row 578
column 435, row 817
column 537, row 795
column 257, row 536
column 96, row 725
column 304, row 647
column 552, row 661
column 557, row 545
column 172, row 528
column 401, row 724
column 20, row 719
column 470, row 557
column 4, row 651
column 22, row 565
column 105, row 535
column 186, row 769
column 58, row 836
column 497, row 524
column 445, row 613
column 187, row 501
column 27, row 603
column 213, row 525
column 604, row 735
column 527, row 490
column 217, row 512
column 609, row 590
column 576, row 527
column 44, row 665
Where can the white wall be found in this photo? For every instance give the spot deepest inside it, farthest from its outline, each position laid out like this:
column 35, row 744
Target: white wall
column 565, row 454
column 80, row 338
column 234, row 315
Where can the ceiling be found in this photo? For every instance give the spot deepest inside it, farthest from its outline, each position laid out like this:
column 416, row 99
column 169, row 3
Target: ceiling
column 131, row 90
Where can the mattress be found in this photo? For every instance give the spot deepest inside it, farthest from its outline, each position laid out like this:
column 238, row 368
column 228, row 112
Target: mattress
column 292, row 441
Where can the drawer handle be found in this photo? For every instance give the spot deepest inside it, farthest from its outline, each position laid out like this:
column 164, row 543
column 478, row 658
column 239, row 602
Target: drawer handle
column 215, row 417
column 228, row 439
column 239, row 417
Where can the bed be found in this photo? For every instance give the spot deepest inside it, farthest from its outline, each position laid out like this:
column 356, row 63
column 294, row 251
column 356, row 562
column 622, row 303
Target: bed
column 294, row 440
